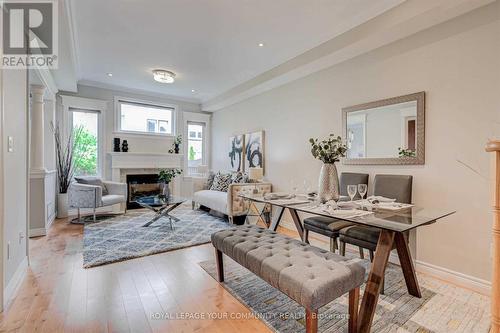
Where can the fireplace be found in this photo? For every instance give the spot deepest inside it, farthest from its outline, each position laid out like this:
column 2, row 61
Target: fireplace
column 142, row 185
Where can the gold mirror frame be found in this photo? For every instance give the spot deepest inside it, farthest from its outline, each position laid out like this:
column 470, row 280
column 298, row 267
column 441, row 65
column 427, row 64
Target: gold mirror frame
column 420, row 130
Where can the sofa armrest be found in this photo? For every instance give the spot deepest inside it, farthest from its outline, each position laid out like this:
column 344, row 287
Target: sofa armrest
column 199, row 184
column 116, row 188
column 236, row 205
column 84, row 196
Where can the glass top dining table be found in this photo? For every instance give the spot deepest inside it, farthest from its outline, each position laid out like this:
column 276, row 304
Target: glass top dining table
column 401, row 220
column 393, row 225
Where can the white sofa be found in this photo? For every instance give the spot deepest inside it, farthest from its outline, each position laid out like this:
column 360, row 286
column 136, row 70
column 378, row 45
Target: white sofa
column 228, row 203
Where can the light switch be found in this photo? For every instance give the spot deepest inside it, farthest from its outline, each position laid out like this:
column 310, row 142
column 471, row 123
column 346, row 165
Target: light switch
column 10, row 144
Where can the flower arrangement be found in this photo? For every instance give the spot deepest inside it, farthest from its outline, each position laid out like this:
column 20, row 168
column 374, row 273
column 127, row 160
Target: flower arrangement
column 329, row 150
column 166, row 175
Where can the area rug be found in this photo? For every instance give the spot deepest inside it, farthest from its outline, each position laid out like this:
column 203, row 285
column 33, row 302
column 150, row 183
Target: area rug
column 123, row 237
column 442, row 308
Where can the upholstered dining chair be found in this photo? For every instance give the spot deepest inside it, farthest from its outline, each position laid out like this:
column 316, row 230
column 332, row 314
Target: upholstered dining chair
column 328, row 226
column 397, row 187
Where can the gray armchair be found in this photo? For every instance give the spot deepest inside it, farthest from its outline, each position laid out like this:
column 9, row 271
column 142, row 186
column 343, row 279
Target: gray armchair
column 91, row 196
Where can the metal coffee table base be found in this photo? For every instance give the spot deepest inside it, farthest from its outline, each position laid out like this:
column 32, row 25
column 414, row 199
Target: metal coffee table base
column 163, row 212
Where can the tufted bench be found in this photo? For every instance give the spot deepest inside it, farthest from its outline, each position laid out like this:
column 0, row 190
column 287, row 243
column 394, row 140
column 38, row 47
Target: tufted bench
column 311, row 276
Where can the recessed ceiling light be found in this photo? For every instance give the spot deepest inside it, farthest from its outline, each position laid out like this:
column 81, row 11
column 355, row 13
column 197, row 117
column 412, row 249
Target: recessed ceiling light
column 261, row 44
column 110, row 74
column 192, row 90
column 163, row 76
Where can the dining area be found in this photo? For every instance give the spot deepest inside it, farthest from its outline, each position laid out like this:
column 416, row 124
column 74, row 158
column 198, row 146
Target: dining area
column 378, row 224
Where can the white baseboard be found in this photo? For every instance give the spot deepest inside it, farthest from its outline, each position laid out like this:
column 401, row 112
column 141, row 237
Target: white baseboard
column 37, row 232
column 463, row 280
column 14, row 283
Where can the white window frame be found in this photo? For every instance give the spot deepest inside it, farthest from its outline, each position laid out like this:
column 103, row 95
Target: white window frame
column 93, row 105
column 117, row 118
column 196, row 118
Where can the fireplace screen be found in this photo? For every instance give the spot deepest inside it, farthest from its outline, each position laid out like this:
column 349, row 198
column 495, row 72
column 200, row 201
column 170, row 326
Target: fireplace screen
column 141, row 186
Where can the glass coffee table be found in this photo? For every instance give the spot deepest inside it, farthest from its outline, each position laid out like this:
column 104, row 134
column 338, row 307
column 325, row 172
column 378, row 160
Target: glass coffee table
column 162, row 206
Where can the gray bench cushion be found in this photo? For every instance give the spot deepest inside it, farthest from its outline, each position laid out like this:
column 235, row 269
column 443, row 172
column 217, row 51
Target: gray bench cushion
column 311, row 276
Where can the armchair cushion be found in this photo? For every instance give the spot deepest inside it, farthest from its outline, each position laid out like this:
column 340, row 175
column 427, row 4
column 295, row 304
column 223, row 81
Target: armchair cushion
column 92, row 181
column 84, row 196
column 112, row 199
column 116, row 188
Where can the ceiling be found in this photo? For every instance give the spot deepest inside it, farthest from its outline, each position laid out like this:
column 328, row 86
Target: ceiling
column 212, row 45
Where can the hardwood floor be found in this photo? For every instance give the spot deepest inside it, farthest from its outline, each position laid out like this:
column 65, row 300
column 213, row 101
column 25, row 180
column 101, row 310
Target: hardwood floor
column 59, row 295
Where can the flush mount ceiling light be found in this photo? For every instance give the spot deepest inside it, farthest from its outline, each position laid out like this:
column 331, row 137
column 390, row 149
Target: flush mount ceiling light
column 163, row 76
column 110, row 74
column 261, row 44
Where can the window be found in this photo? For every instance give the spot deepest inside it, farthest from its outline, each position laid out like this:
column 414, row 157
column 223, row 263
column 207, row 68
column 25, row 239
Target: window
column 195, row 145
column 144, row 118
column 85, row 125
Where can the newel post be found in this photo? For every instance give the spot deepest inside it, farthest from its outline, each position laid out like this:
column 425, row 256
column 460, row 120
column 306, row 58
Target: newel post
column 494, row 147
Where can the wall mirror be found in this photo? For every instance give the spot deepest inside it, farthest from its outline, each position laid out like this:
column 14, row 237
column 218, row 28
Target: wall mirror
column 389, row 131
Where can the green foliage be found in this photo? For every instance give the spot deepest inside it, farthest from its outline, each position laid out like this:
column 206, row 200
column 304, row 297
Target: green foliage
column 166, row 175
column 192, row 153
column 405, row 153
column 330, row 150
column 85, row 152
column 178, row 140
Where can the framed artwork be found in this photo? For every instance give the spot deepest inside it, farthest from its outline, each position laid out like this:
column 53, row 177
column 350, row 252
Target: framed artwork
column 236, row 152
column 254, row 150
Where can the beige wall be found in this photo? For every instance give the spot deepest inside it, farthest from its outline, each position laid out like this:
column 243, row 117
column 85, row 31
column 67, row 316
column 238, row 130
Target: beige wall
column 15, row 168
column 457, row 64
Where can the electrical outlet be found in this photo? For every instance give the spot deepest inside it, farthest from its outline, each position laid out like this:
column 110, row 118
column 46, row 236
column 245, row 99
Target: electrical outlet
column 10, row 144
column 21, row 237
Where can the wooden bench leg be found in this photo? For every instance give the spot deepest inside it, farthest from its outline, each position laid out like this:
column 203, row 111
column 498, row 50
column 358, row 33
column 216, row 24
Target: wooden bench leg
column 353, row 310
column 220, row 265
column 311, row 321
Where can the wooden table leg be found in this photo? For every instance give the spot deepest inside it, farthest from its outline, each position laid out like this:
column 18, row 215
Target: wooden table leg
column 373, row 285
column 277, row 218
column 298, row 224
column 407, row 265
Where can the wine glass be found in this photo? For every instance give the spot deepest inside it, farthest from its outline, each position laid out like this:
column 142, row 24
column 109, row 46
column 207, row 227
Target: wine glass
column 362, row 189
column 352, row 190
column 294, row 186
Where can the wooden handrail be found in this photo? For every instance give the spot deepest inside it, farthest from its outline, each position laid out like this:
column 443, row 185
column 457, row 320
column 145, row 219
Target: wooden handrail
column 494, row 147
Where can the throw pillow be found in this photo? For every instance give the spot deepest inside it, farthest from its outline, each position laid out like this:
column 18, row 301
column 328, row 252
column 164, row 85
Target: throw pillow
column 221, row 182
column 236, row 177
column 93, row 181
column 210, row 180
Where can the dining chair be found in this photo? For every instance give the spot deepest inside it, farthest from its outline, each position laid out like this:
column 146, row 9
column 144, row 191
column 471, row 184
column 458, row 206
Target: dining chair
column 328, row 226
column 397, row 187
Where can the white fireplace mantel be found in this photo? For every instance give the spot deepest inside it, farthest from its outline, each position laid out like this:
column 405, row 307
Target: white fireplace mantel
column 145, row 160
column 138, row 163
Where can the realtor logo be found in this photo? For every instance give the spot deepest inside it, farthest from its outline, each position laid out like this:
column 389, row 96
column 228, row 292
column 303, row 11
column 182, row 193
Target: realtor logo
column 29, row 34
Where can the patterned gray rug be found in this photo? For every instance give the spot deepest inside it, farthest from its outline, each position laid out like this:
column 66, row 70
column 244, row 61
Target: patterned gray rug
column 123, row 237
column 442, row 308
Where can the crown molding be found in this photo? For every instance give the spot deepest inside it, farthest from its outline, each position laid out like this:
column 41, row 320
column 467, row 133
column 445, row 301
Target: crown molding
column 147, row 93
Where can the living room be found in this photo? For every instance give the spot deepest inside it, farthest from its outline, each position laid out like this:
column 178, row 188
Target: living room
column 293, row 166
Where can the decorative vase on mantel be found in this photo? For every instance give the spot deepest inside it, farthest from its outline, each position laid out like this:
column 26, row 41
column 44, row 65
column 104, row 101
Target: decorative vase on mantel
column 328, row 183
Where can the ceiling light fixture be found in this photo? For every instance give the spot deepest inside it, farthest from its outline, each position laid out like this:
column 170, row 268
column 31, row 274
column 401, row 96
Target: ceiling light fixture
column 110, row 74
column 163, row 76
column 261, row 44
column 192, row 90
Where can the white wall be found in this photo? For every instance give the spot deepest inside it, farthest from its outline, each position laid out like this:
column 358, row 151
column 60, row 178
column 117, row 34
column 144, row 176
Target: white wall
column 15, row 168
column 457, row 65
column 136, row 143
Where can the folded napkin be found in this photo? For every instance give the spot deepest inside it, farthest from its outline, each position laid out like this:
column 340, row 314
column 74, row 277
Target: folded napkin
column 380, row 198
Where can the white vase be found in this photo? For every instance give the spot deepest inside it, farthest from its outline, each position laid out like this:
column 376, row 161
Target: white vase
column 328, row 183
column 62, row 205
